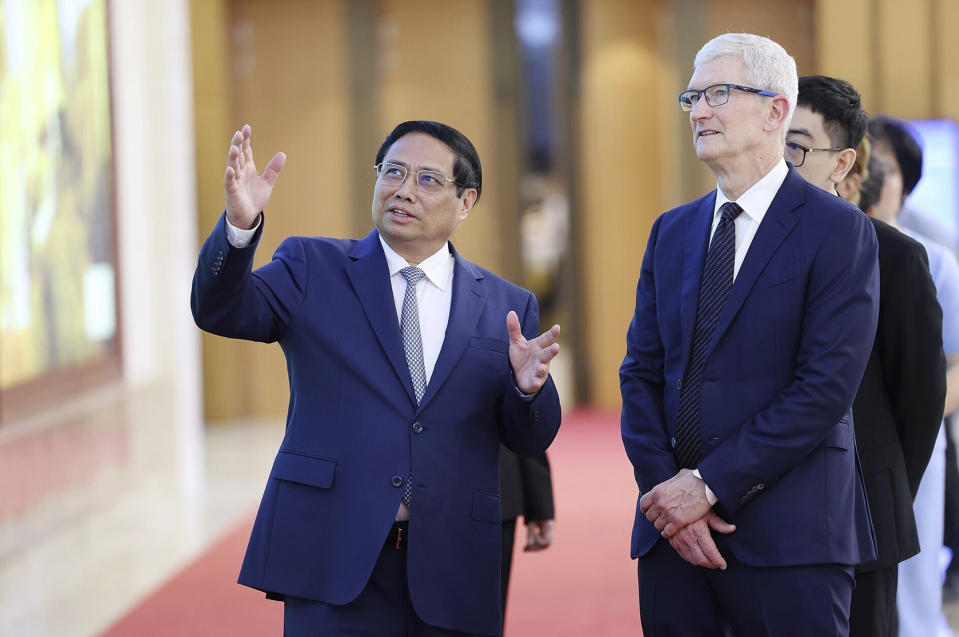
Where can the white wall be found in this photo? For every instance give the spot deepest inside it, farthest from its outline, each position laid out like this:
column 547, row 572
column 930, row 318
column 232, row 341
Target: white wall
column 156, row 200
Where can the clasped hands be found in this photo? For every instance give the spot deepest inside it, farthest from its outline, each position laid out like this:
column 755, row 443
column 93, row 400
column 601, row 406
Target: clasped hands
column 679, row 509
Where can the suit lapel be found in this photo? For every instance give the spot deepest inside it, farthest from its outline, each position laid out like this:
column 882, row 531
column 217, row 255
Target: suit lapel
column 774, row 228
column 466, row 306
column 697, row 226
column 370, row 277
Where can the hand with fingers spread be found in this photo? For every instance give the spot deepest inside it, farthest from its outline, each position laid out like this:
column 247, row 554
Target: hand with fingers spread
column 247, row 192
column 675, row 503
column 695, row 545
column 530, row 359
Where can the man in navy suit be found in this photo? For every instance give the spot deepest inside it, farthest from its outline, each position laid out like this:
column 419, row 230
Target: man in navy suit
column 408, row 365
column 755, row 314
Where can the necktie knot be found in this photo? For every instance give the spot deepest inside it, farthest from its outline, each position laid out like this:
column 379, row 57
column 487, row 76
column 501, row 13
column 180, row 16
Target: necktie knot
column 412, row 274
column 729, row 211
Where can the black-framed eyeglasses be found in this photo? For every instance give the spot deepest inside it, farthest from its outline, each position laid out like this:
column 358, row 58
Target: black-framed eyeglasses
column 426, row 180
column 716, row 95
column 795, row 153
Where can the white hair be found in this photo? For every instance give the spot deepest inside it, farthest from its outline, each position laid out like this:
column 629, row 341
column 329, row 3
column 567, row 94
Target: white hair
column 768, row 66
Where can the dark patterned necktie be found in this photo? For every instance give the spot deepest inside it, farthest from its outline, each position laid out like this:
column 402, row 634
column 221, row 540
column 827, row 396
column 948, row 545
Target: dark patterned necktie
column 413, row 345
column 716, row 282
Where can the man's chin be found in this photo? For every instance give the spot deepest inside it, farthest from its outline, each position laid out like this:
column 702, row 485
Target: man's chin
column 705, row 153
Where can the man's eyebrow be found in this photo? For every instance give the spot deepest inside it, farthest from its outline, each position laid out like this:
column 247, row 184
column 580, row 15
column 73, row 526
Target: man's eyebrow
column 800, row 131
column 407, row 166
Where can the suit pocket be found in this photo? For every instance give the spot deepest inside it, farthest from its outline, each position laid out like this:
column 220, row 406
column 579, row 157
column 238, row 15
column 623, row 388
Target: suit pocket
column 310, row 470
column 491, row 344
column 777, row 278
column 841, row 436
column 486, row 507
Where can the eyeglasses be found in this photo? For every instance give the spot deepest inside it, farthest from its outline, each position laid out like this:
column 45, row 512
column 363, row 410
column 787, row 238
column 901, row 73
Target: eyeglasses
column 431, row 181
column 795, row 153
column 716, row 95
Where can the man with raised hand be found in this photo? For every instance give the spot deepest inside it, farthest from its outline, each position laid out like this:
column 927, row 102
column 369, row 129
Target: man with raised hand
column 408, row 365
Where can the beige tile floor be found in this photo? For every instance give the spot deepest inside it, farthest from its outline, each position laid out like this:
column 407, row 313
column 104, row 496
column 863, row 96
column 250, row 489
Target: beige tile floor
column 75, row 558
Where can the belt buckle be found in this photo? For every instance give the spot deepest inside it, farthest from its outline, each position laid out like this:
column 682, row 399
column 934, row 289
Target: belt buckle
column 400, row 540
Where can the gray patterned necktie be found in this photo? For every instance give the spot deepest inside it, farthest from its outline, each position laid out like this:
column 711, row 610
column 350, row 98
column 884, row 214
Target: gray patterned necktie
column 713, row 290
column 413, row 345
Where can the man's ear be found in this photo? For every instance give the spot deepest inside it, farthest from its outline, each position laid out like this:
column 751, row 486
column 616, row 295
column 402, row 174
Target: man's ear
column 467, row 201
column 844, row 162
column 778, row 112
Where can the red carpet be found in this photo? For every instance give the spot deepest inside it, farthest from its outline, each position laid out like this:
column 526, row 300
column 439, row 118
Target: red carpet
column 585, row 584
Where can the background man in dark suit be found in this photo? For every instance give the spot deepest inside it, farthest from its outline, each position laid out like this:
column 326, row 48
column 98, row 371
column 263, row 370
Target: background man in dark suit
column 408, row 366
column 756, row 311
column 898, row 407
column 526, row 486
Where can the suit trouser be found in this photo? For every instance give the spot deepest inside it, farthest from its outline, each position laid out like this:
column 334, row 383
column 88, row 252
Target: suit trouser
column 682, row 600
column 509, row 535
column 383, row 609
column 873, row 610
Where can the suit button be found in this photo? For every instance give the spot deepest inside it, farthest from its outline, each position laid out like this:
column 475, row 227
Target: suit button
column 672, row 441
column 679, row 384
column 417, row 428
column 397, row 481
column 760, row 486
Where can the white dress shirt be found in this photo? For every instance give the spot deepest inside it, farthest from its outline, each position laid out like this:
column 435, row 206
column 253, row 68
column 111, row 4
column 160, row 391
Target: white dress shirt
column 754, row 202
column 434, row 294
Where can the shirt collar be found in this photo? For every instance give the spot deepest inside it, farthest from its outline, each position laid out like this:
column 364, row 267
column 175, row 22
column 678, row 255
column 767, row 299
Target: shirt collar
column 436, row 267
column 756, row 201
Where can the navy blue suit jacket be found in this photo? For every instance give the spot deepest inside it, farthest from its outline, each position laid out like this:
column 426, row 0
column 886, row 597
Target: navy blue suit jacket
column 354, row 431
column 781, row 371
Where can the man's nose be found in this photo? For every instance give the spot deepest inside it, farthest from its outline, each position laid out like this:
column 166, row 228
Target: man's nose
column 701, row 109
column 407, row 189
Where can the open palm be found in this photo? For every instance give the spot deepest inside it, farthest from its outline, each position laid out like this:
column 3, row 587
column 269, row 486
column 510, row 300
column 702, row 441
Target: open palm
column 530, row 359
column 247, row 192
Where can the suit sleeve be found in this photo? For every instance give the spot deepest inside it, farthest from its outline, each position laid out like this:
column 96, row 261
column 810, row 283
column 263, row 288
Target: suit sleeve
column 836, row 335
column 229, row 299
column 913, row 363
column 641, row 382
column 529, row 426
column 537, row 488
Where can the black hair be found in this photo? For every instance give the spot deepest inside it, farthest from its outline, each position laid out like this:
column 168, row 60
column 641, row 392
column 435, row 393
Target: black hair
column 872, row 184
column 905, row 146
column 467, row 170
column 840, row 106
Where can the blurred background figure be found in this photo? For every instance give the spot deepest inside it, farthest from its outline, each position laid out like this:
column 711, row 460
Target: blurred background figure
column 919, row 599
column 898, row 408
column 526, row 487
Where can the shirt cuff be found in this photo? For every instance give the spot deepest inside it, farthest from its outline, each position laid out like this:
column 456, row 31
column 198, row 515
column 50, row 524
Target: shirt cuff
column 526, row 397
column 709, row 492
column 240, row 238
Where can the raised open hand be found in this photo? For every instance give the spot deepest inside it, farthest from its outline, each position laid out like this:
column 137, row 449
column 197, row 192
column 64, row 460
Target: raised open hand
column 247, row 192
column 530, row 359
